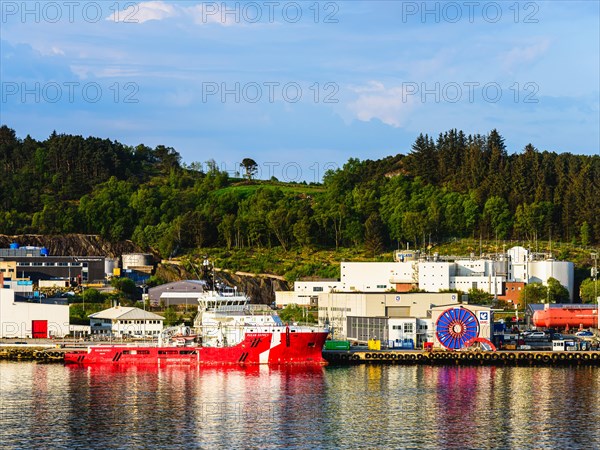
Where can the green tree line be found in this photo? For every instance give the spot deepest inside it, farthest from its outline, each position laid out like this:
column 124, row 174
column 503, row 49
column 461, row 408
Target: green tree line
column 454, row 186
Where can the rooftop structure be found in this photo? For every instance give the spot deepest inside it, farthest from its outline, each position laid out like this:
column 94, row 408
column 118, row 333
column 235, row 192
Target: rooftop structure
column 121, row 321
column 177, row 293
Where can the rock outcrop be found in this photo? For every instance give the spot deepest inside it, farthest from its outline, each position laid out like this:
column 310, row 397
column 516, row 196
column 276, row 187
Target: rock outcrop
column 72, row 244
column 260, row 288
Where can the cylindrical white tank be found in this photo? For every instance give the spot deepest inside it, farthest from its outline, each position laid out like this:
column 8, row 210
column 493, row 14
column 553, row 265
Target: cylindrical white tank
column 563, row 271
column 136, row 260
column 110, row 264
column 500, row 267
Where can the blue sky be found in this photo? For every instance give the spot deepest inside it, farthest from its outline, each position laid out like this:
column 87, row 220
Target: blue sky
column 302, row 86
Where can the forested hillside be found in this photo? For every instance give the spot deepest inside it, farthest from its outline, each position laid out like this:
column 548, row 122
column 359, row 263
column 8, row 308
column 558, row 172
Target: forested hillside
column 453, row 186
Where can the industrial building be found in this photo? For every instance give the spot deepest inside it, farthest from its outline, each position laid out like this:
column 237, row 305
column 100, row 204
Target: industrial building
column 45, row 270
column 9, row 279
column 503, row 275
column 126, row 321
column 306, row 292
column 36, row 264
column 140, row 262
column 388, row 317
column 455, row 325
column 22, row 317
column 184, row 292
column 401, row 319
column 528, row 267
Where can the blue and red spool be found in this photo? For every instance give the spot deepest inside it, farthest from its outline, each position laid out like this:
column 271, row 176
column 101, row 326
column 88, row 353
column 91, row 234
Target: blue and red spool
column 455, row 327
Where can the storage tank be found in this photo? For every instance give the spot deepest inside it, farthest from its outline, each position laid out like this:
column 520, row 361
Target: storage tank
column 561, row 317
column 563, row 271
column 137, row 260
column 500, row 267
column 109, row 265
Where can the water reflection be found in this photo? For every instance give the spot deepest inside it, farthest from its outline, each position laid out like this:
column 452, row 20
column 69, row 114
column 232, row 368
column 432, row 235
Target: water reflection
column 52, row 406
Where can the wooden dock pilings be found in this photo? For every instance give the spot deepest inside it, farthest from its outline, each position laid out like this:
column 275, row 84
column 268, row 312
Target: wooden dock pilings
column 498, row 358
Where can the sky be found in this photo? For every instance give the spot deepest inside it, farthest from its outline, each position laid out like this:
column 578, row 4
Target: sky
column 302, row 86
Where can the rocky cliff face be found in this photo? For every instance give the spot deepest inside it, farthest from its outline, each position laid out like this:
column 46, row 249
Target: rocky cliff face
column 260, row 288
column 72, row 244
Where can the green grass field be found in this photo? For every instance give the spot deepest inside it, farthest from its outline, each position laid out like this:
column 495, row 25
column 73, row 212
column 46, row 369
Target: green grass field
column 244, row 189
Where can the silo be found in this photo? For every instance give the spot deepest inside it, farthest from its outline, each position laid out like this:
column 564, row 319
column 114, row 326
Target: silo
column 109, row 265
column 132, row 260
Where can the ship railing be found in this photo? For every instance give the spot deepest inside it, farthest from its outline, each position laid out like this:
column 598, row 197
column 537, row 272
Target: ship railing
column 243, row 309
column 261, row 327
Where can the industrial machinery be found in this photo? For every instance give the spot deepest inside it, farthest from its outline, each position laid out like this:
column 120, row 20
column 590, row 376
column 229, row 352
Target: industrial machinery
column 572, row 316
column 455, row 327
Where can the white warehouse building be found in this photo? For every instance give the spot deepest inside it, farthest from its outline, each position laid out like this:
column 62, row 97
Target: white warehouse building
column 460, row 275
column 384, row 316
column 517, row 265
column 376, row 276
column 306, row 293
column 126, row 321
column 28, row 318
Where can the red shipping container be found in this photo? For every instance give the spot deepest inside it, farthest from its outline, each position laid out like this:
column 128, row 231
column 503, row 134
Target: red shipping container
column 39, row 329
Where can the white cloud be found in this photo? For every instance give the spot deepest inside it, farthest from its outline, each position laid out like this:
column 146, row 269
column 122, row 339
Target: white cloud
column 145, row 11
column 524, row 55
column 57, row 51
column 201, row 14
column 390, row 105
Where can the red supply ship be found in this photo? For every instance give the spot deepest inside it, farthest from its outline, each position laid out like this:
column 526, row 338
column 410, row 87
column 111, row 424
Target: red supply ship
column 228, row 330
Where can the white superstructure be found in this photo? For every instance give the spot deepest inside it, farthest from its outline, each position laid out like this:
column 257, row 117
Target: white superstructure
column 225, row 316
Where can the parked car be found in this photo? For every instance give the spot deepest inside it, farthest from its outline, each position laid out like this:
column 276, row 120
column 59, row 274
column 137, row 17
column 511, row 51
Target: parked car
column 585, row 333
column 536, row 335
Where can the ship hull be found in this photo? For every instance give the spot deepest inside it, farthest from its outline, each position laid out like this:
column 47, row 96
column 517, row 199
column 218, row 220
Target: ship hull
column 256, row 348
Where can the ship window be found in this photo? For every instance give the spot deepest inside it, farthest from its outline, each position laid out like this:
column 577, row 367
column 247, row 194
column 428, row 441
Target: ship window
column 143, row 352
column 126, row 352
column 311, row 344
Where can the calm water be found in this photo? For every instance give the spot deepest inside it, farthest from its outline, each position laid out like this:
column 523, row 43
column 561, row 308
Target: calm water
column 52, row 406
